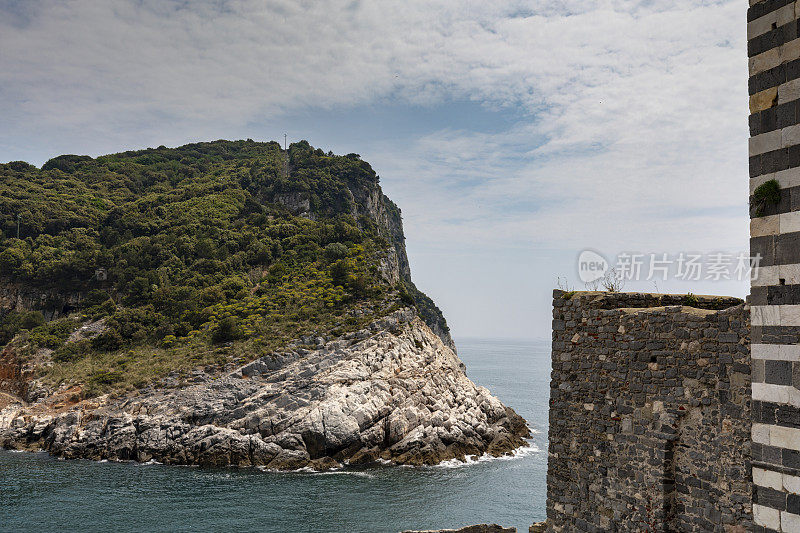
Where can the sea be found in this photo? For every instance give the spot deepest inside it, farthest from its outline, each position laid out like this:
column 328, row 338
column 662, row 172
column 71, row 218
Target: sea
column 42, row 493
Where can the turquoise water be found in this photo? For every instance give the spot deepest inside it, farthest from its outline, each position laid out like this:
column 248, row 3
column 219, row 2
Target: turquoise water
column 40, row 493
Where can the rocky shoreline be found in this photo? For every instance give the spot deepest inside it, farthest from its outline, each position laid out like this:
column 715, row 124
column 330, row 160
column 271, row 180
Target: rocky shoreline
column 480, row 528
column 393, row 392
column 538, row 527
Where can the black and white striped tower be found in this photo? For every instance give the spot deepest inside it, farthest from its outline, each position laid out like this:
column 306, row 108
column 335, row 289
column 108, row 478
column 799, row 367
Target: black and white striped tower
column 773, row 47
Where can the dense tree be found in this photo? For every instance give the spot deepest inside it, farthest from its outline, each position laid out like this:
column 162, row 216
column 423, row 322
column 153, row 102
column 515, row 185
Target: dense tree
column 198, row 243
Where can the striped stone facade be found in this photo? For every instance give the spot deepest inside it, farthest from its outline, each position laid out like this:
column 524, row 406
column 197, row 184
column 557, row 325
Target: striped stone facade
column 773, row 47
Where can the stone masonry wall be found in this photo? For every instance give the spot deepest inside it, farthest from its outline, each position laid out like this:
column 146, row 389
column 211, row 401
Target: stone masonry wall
column 649, row 414
column 773, row 50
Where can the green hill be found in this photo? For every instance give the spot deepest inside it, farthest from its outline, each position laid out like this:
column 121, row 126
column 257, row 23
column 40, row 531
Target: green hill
column 120, row 270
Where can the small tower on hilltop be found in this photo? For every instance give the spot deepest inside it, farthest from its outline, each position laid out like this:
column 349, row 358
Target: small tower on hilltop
column 285, row 158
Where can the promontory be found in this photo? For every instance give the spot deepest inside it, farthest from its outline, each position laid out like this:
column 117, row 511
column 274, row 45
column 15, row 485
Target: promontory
column 225, row 303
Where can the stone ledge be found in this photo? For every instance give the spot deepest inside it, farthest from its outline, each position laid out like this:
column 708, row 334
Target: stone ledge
column 641, row 300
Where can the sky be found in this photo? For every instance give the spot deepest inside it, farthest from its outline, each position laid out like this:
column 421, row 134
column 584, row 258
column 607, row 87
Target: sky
column 513, row 135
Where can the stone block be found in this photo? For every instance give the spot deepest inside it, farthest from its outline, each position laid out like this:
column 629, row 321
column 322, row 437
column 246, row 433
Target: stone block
column 783, row 437
column 790, row 522
column 764, row 24
column 788, row 52
column 789, row 315
column 764, row 61
column 791, row 483
column 762, row 226
column 760, row 433
column 790, row 135
column 778, row 372
column 766, row 142
column 765, row 276
column 789, row 222
column 767, row 478
column 765, row 315
column 767, row 517
column 789, row 91
column 790, row 273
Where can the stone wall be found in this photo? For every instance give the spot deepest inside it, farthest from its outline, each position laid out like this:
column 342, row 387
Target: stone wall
column 773, row 48
column 649, row 414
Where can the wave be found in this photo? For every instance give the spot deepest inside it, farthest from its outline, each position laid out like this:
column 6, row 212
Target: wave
column 519, row 453
column 357, row 473
column 150, row 462
column 341, row 471
column 303, row 470
column 15, row 450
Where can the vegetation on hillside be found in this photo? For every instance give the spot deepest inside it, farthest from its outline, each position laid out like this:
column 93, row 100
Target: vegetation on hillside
column 205, row 262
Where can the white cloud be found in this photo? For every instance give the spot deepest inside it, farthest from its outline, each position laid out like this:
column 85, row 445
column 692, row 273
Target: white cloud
column 644, row 126
column 631, row 135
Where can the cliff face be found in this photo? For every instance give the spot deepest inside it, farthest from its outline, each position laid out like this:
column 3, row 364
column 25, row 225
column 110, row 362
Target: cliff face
column 52, row 302
column 367, row 201
column 430, row 313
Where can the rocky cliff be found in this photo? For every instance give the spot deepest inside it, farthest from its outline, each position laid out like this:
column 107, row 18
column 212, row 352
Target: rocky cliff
column 393, row 392
column 225, row 303
column 366, row 201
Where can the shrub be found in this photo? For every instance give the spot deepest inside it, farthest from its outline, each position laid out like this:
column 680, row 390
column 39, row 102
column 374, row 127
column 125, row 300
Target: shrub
column 108, row 341
column 72, row 352
column 768, row 193
column 406, row 298
column 11, row 259
column 66, row 163
column 31, row 319
column 340, row 271
column 53, row 334
column 95, row 297
column 20, row 166
column 335, row 251
column 612, row 281
column 104, row 309
column 227, row 330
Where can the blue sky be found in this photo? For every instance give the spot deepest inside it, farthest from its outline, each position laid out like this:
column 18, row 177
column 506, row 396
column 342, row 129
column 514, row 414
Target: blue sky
column 511, row 136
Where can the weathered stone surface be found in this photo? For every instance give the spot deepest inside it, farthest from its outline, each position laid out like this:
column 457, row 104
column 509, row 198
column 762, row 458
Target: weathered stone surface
column 53, row 303
column 649, row 414
column 393, row 391
column 763, row 100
